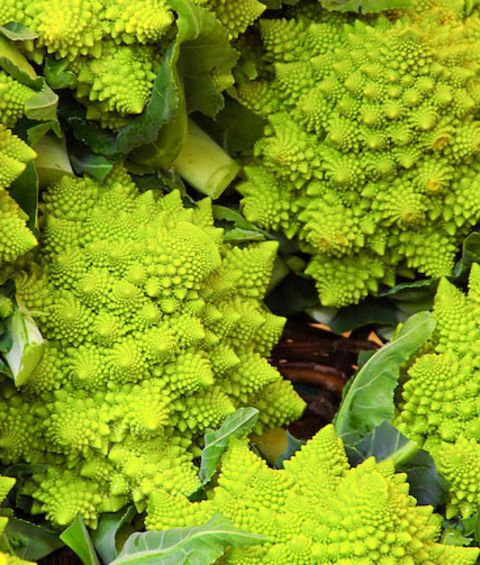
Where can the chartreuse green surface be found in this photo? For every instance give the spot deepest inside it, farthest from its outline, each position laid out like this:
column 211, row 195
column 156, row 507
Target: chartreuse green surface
column 154, row 330
column 370, row 154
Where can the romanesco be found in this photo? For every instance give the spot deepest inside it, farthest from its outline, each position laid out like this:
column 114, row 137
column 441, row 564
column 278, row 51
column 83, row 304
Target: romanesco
column 15, row 238
column 439, row 398
column 154, row 331
column 111, row 50
column 370, row 153
column 235, row 15
column 317, row 510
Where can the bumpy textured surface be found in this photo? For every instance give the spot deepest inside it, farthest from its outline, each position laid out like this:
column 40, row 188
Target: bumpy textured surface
column 6, row 484
column 154, row 331
column 316, row 511
column 15, row 238
column 13, row 96
column 370, row 155
column 439, row 399
column 109, row 51
column 235, row 15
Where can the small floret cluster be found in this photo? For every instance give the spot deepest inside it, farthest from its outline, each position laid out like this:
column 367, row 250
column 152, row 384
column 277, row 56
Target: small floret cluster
column 439, row 399
column 15, row 238
column 317, row 510
column 370, row 155
column 154, row 329
column 109, row 51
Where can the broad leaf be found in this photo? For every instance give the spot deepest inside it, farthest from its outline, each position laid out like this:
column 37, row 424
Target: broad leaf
column 27, row 346
column 200, row 545
column 24, row 190
column 369, row 311
column 17, row 32
column 237, row 425
column 413, row 297
column 31, row 541
column 470, row 255
column 77, row 538
column 365, row 6
column 386, row 442
column 105, row 536
column 43, row 105
column 15, row 64
column 369, row 399
column 52, row 160
column 183, row 85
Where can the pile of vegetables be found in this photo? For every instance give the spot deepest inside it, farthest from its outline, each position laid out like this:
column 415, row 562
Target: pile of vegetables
column 175, row 177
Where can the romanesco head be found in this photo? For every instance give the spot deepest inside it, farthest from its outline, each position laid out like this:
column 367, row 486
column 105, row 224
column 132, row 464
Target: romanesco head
column 15, row 238
column 439, row 397
column 235, row 15
column 155, row 330
column 109, row 51
column 370, row 155
column 316, row 510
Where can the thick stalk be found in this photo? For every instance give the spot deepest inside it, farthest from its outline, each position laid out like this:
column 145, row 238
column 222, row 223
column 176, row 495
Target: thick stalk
column 204, row 164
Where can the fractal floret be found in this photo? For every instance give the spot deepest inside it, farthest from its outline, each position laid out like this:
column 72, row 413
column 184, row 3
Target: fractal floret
column 154, row 330
column 235, row 15
column 317, row 510
column 15, row 237
column 109, row 51
column 370, row 155
column 439, row 399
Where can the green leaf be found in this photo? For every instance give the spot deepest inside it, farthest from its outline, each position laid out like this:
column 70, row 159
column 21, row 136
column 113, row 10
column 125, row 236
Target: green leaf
column 87, row 132
column 293, row 295
column 15, row 64
column 233, row 216
column 200, row 47
column 43, row 105
column 470, row 255
column 36, row 132
column 386, row 442
column 413, row 297
column 238, row 235
column 369, row 399
column 17, row 32
column 451, row 536
column 77, row 538
column 426, row 483
column 237, row 425
column 52, row 160
column 203, row 47
column 24, row 190
column 104, row 537
column 31, row 541
column 163, row 107
column 97, row 166
column 369, row 311
column 293, row 445
column 57, row 73
column 235, row 128
column 365, row 6
column 27, row 346
column 200, row 545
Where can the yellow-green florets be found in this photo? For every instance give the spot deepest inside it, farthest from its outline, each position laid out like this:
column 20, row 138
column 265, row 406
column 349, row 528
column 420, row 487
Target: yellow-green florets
column 15, row 238
column 439, row 398
column 316, row 510
column 370, row 156
column 154, row 331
